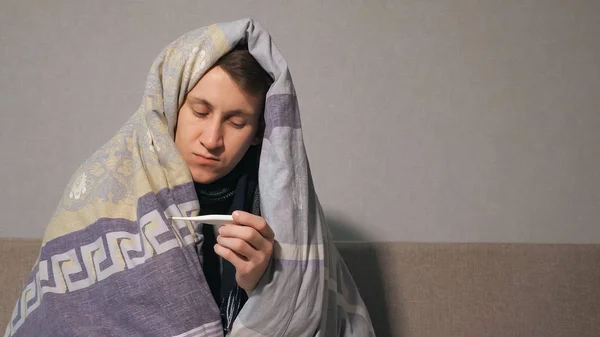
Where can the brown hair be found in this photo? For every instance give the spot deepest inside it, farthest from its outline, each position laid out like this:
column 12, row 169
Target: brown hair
column 247, row 73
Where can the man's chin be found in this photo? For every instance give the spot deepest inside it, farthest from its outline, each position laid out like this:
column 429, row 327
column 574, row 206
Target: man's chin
column 203, row 178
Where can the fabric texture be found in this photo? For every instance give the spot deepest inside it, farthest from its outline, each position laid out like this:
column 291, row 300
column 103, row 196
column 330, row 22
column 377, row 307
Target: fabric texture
column 112, row 263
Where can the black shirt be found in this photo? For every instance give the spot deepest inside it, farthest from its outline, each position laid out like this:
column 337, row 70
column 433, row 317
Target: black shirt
column 212, row 264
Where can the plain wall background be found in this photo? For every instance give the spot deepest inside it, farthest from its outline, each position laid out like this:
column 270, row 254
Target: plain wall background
column 423, row 120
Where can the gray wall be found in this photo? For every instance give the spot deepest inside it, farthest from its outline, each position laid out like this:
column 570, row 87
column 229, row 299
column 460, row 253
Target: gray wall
column 423, row 120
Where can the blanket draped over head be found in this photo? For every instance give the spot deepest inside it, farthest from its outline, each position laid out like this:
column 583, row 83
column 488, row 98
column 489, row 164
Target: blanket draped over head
column 112, row 263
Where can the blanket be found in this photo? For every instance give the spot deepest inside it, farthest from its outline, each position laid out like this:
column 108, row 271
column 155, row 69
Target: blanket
column 113, row 263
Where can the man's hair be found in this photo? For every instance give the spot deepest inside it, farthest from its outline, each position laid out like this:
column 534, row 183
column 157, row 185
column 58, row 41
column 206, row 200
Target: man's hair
column 245, row 71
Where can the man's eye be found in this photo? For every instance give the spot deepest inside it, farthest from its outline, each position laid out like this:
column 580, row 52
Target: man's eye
column 237, row 124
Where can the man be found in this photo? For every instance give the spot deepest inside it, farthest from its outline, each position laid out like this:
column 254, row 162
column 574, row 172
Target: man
column 113, row 264
column 220, row 120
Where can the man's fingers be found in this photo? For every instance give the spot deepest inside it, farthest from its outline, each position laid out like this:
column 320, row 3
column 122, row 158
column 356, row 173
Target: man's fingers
column 254, row 221
column 248, row 245
column 239, row 246
column 246, row 233
column 236, row 260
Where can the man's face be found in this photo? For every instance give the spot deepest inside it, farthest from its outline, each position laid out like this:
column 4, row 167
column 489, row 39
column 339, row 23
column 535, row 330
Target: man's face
column 216, row 125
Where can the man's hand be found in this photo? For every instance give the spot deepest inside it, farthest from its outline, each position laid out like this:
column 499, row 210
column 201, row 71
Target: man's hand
column 248, row 245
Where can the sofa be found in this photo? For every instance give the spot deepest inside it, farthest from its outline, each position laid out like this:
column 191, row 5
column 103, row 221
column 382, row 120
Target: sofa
column 437, row 289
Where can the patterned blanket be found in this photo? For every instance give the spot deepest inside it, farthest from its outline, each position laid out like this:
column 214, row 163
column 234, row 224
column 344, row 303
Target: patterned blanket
column 113, row 263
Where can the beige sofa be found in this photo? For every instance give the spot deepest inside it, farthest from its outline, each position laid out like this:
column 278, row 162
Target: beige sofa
column 416, row 289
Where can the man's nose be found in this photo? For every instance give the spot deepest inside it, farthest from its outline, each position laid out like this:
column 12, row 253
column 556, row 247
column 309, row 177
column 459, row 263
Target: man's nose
column 212, row 137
